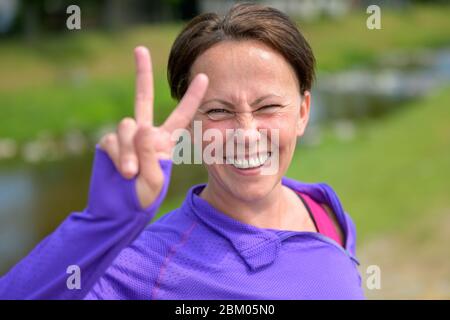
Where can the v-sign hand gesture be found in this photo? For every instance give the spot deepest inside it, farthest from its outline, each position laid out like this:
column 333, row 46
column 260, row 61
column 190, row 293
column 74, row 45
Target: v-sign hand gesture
column 137, row 145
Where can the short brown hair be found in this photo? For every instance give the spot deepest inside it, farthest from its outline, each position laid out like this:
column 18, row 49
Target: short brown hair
column 243, row 21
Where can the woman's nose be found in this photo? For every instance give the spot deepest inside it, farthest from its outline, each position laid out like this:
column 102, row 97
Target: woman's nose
column 247, row 130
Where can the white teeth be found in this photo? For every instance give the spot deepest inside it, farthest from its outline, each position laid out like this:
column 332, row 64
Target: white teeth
column 248, row 163
column 263, row 158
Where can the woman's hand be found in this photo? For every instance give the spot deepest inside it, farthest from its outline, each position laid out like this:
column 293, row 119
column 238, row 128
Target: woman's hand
column 137, row 145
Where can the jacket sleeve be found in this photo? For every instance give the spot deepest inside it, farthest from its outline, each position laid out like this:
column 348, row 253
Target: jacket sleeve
column 68, row 262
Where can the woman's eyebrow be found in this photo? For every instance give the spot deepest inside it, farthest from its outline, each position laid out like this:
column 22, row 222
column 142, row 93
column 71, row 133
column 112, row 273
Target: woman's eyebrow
column 220, row 101
column 258, row 100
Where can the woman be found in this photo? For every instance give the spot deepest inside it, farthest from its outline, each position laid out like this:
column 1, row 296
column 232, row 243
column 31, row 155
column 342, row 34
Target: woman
column 243, row 235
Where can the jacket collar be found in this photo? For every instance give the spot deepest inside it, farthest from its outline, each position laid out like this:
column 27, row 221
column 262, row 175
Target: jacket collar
column 259, row 247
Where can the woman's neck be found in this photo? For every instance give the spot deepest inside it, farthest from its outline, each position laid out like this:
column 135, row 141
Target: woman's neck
column 268, row 212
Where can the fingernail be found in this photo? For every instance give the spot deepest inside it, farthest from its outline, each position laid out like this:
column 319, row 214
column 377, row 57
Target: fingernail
column 130, row 167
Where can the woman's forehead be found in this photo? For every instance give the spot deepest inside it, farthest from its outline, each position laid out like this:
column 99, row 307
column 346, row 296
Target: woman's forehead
column 249, row 67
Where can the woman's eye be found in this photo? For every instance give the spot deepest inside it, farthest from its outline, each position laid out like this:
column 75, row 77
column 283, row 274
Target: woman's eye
column 269, row 108
column 217, row 111
column 219, row 114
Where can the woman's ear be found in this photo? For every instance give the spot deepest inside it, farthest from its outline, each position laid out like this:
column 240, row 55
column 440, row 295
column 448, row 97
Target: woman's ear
column 303, row 118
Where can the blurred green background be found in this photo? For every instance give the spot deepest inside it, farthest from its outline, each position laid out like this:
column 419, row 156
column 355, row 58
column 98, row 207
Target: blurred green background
column 379, row 133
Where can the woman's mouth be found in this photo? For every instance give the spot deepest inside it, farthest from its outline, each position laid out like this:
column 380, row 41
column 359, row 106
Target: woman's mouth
column 249, row 162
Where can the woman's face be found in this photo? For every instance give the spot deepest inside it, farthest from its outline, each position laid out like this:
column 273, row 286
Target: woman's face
column 252, row 88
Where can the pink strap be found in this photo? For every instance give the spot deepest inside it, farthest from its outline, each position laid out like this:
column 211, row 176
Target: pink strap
column 324, row 222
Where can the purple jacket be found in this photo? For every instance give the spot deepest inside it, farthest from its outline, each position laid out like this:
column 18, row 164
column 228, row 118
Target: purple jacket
column 193, row 252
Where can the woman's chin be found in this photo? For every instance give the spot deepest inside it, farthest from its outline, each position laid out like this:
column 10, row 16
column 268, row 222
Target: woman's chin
column 252, row 189
column 245, row 184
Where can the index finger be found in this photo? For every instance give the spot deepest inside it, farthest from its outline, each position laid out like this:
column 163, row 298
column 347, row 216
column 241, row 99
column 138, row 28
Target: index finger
column 184, row 112
column 143, row 105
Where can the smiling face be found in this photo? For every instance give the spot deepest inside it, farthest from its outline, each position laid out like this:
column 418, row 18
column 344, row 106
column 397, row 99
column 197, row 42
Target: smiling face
column 253, row 88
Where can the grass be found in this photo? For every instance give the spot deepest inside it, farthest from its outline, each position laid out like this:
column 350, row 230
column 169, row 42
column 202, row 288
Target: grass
column 62, row 107
column 345, row 42
column 78, row 81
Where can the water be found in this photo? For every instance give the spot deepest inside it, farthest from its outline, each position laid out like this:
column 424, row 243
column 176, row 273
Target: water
column 35, row 198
